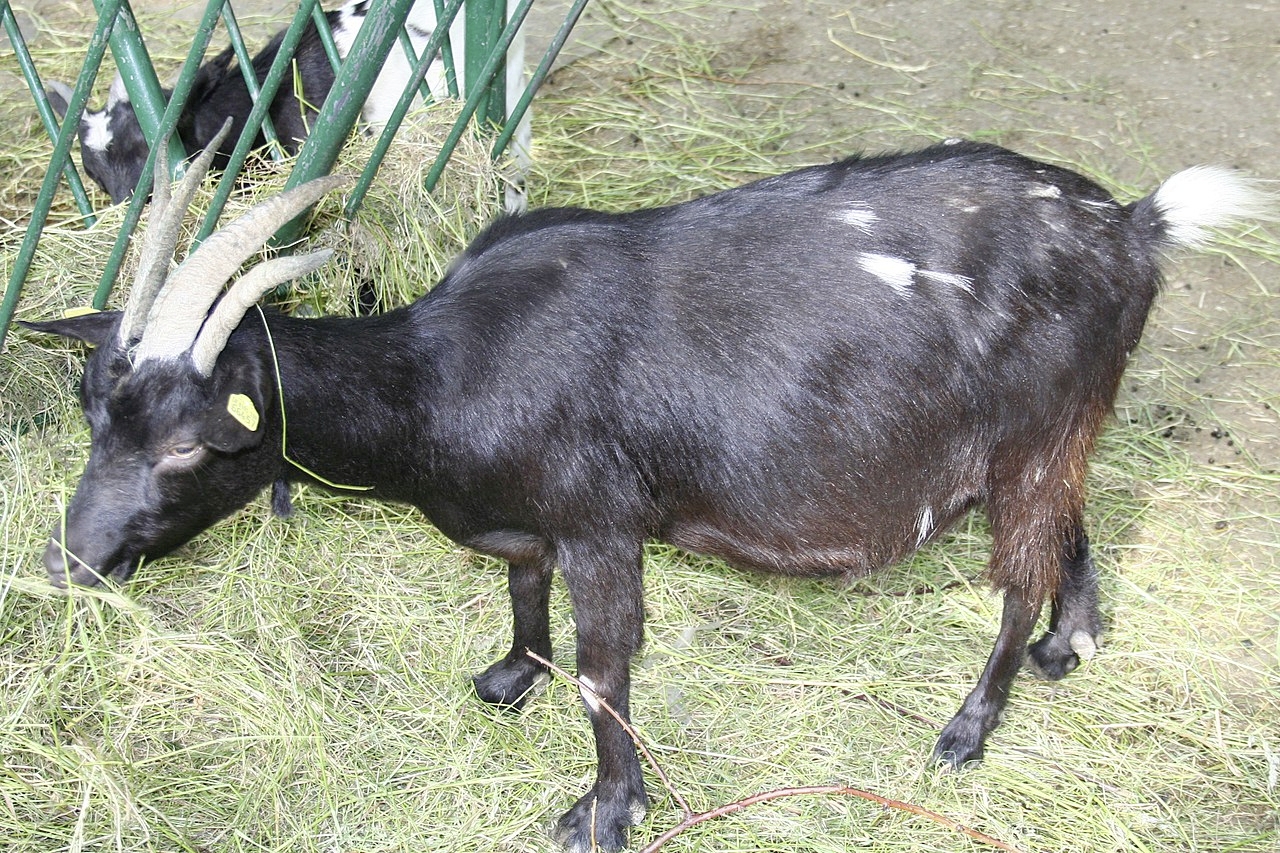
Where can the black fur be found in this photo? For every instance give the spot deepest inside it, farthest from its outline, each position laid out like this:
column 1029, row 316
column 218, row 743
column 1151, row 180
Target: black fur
column 812, row 374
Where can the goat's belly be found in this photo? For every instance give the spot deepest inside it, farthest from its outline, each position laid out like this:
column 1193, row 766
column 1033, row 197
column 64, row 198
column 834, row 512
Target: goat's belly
column 775, row 551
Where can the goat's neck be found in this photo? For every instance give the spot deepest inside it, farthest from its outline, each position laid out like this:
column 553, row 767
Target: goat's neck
column 354, row 393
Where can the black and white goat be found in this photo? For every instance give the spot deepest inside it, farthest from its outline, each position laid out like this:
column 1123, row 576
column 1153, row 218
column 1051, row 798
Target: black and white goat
column 813, row 374
column 114, row 150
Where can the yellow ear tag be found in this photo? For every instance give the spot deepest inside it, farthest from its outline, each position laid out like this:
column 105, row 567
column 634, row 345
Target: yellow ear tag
column 72, row 313
column 242, row 409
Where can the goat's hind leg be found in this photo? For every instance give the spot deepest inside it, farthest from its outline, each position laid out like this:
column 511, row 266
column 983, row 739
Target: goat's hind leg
column 962, row 739
column 1075, row 626
column 509, row 682
column 1027, row 507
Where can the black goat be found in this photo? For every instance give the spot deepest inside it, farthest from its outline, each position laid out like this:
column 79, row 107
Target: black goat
column 114, row 150
column 813, row 374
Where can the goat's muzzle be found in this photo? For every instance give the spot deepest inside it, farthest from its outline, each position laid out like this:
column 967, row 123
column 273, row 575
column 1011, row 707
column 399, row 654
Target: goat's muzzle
column 66, row 569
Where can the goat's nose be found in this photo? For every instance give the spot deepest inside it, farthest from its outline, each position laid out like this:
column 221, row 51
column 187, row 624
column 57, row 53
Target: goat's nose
column 56, row 562
column 66, row 569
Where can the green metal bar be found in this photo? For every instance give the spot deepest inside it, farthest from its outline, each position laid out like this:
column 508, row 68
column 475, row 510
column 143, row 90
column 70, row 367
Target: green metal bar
column 484, row 23
column 341, row 109
column 270, row 85
column 139, row 76
column 47, row 116
column 321, row 20
column 444, row 19
column 61, row 151
column 478, row 93
column 245, row 61
column 540, row 73
column 168, row 124
column 406, row 45
column 446, row 51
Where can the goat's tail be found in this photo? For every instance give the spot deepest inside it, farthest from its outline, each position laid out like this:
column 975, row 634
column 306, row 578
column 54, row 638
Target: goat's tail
column 1189, row 204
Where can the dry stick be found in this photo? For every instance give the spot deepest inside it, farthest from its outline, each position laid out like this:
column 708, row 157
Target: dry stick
column 626, row 726
column 691, row 819
column 842, row 790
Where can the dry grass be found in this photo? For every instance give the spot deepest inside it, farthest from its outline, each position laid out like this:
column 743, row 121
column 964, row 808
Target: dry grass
column 302, row 685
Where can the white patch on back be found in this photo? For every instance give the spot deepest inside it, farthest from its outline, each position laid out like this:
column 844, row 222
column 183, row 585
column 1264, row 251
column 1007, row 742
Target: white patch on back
column 960, row 282
column 97, row 130
column 859, row 218
column 1044, row 191
column 895, row 272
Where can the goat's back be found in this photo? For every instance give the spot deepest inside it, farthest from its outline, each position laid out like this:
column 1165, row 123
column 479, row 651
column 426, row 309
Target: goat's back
column 757, row 373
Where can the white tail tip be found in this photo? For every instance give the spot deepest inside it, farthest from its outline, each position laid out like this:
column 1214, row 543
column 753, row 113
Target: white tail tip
column 1203, row 197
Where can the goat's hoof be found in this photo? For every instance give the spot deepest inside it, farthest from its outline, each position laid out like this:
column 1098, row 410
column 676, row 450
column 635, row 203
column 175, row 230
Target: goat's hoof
column 598, row 824
column 1053, row 656
column 960, row 744
column 510, row 681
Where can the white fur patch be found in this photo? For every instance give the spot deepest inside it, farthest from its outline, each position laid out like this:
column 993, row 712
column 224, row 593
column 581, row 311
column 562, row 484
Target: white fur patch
column 97, row 130
column 859, row 218
column 1203, row 197
column 895, row 272
column 1044, row 191
column 960, row 282
column 926, row 525
column 588, row 693
column 1083, row 644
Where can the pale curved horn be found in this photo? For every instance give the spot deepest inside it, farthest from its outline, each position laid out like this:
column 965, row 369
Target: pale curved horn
column 161, row 241
column 241, row 296
column 182, row 306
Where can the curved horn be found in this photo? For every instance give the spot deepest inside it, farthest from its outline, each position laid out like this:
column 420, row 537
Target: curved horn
column 182, row 306
column 247, row 290
column 162, row 234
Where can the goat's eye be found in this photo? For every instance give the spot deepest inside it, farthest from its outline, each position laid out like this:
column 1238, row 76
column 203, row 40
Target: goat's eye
column 184, row 452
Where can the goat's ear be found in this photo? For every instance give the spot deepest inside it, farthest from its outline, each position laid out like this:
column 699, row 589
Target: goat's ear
column 97, row 328
column 59, row 95
column 238, row 415
column 208, row 77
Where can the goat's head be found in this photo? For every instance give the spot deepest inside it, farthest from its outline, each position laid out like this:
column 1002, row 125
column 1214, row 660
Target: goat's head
column 113, row 148
column 178, row 418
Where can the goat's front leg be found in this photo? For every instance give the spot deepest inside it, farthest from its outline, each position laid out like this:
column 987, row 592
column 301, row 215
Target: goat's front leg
column 962, row 738
column 1075, row 626
column 509, row 681
column 607, row 595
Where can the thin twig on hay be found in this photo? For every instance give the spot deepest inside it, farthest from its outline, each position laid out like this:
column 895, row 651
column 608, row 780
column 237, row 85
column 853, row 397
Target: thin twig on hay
column 691, row 819
column 626, row 726
column 840, row 790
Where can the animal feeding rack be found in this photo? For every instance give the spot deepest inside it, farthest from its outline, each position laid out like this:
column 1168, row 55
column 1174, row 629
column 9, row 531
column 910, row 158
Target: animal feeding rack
column 490, row 26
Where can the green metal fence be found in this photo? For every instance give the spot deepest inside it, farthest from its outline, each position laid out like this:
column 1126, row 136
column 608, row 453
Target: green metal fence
column 490, row 32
